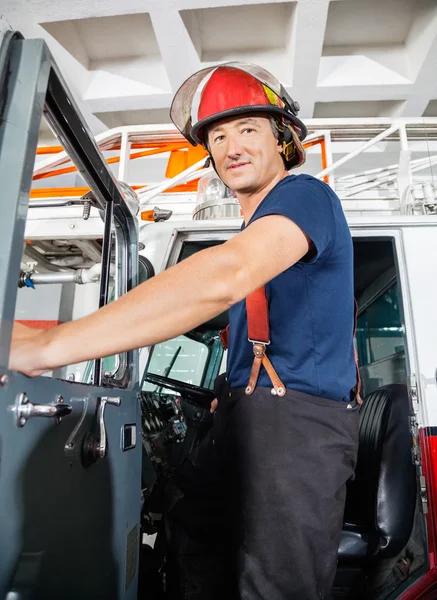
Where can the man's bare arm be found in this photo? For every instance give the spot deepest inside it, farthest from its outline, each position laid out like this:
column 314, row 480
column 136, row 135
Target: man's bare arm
column 20, row 332
column 174, row 301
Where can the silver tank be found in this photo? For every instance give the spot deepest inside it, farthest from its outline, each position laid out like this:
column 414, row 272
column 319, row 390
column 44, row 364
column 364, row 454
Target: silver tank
column 225, row 208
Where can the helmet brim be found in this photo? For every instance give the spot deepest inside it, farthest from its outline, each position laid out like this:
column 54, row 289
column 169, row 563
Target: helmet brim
column 198, row 130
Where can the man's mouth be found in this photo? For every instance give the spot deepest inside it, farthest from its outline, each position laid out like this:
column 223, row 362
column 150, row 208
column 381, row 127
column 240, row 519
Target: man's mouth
column 234, row 166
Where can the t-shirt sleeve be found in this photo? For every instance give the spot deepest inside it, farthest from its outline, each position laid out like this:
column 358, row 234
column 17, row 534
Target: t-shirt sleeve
column 308, row 205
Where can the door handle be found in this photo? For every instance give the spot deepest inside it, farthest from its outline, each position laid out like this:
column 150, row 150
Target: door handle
column 103, row 445
column 25, row 410
column 94, row 448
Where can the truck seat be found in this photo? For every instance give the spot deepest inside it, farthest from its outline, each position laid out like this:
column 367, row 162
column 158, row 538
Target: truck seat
column 381, row 500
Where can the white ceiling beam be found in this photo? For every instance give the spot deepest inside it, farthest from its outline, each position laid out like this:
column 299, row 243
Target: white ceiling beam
column 46, row 12
column 302, row 56
column 64, row 10
column 422, row 49
column 129, row 102
column 331, row 94
column 305, row 51
column 195, row 4
column 177, row 49
column 353, row 93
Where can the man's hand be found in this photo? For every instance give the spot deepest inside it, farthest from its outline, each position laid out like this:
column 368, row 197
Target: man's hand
column 27, row 352
column 214, row 405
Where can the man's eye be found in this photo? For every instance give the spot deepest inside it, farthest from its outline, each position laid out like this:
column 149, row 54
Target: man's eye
column 219, row 138
column 247, row 130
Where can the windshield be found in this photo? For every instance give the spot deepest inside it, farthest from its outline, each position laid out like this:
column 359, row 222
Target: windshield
column 181, row 358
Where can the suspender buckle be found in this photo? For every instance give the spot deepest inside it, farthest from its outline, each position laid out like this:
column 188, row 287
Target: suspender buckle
column 259, row 350
column 259, row 342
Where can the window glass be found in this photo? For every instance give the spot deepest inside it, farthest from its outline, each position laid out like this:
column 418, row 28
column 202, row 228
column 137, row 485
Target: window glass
column 181, row 358
column 384, row 326
column 379, row 329
column 362, row 340
column 110, row 364
column 197, row 357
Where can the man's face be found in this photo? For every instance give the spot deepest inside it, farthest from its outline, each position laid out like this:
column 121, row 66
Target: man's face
column 245, row 152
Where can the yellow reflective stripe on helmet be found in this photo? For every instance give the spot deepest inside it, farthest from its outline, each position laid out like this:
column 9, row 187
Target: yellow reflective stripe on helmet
column 273, row 98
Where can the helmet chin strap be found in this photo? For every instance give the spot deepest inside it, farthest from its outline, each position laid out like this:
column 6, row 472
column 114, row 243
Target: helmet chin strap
column 293, row 153
column 288, row 150
column 209, row 162
column 293, row 149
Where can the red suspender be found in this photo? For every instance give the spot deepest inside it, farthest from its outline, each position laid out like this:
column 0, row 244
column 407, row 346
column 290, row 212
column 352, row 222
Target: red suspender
column 258, row 317
column 259, row 336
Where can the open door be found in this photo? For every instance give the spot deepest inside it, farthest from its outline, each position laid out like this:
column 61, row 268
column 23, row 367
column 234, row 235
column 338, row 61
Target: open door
column 70, row 453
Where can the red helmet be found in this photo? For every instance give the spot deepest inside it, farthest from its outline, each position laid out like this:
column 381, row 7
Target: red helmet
column 231, row 89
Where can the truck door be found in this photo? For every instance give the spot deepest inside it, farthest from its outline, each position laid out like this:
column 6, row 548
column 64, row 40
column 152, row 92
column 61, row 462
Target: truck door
column 70, row 453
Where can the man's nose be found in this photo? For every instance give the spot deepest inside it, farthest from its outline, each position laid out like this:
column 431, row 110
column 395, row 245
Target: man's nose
column 234, row 149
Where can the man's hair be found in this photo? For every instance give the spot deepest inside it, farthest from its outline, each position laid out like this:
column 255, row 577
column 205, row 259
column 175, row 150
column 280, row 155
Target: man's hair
column 274, row 126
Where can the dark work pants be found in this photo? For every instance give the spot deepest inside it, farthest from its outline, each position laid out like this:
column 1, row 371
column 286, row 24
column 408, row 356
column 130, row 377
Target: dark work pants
column 264, row 498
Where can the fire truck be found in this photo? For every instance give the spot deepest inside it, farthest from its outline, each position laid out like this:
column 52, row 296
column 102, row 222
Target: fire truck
column 86, row 452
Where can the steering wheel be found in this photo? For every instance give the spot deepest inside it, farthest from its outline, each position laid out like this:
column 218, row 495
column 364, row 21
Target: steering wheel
column 193, row 394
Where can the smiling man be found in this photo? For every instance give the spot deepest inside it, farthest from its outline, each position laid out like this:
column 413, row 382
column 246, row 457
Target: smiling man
column 254, row 170
column 265, row 494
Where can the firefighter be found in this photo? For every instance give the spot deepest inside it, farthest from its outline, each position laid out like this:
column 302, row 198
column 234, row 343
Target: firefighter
column 266, row 490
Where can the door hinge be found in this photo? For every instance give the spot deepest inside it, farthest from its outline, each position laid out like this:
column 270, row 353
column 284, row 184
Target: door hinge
column 413, row 392
column 414, row 428
column 415, row 449
column 423, row 494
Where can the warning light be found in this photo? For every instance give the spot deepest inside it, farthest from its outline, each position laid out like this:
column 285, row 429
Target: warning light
column 156, row 215
column 147, row 215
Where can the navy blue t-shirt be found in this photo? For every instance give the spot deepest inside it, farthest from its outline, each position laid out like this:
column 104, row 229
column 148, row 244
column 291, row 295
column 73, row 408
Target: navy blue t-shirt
column 311, row 304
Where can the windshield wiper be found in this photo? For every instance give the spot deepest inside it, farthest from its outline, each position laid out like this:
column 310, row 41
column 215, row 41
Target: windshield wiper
column 168, row 369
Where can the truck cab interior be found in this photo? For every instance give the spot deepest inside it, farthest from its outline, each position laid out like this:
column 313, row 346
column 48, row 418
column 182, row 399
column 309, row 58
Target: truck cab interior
column 383, row 543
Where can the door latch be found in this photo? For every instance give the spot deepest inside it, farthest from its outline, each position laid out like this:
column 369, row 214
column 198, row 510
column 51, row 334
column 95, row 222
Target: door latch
column 103, row 444
column 94, row 448
column 413, row 392
column 25, row 410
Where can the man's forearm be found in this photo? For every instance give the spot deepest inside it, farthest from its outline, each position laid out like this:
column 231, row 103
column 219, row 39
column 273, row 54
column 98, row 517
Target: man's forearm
column 168, row 305
column 20, row 331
